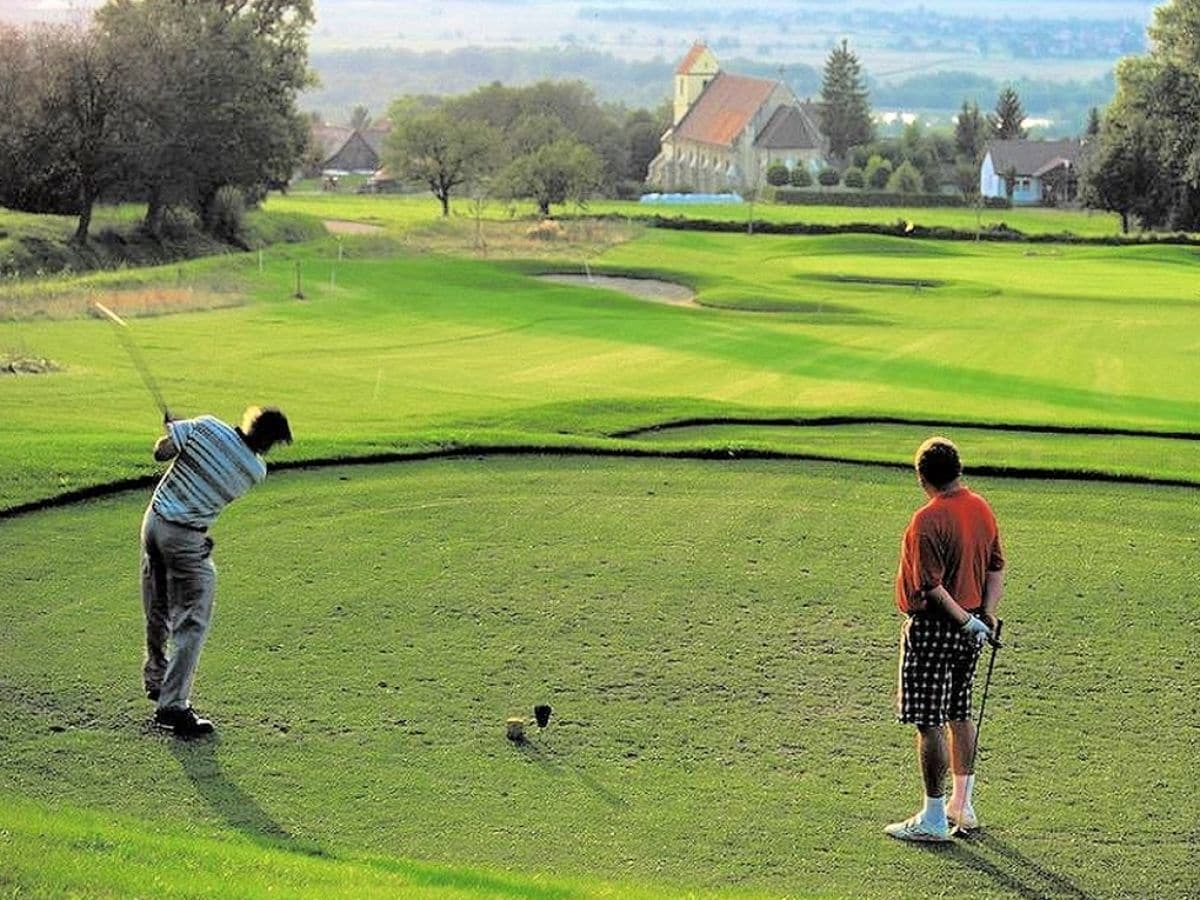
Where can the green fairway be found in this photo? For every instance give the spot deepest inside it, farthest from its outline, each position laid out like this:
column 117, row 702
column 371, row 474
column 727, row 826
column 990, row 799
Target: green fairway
column 405, row 211
column 717, row 641
column 421, row 350
column 717, row 638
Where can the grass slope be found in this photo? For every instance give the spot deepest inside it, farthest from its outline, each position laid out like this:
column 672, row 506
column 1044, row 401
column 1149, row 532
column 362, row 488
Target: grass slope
column 718, row 643
column 66, row 851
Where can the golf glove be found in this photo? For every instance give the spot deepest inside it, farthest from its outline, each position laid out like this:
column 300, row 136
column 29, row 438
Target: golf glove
column 977, row 629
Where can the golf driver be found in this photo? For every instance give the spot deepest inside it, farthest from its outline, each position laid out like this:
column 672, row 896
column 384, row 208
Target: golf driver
column 139, row 361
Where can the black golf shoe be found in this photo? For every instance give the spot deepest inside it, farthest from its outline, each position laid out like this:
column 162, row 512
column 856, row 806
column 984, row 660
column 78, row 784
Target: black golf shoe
column 152, row 694
column 184, row 722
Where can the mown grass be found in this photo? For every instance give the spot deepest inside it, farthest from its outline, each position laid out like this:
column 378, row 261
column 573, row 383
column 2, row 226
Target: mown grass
column 65, row 851
column 427, row 349
column 717, row 641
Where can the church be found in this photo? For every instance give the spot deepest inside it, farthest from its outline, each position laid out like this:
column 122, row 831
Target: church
column 728, row 129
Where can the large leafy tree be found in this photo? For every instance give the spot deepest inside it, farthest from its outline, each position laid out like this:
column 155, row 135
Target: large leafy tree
column 1152, row 127
column 565, row 170
column 1122, row 173
column 1007, row 119
column 438, row 149
column 845, row 107
column 62, row 95
column 213, row 95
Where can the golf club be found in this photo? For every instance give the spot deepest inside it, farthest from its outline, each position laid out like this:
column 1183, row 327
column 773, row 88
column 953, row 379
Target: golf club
column 139, row 362
column 996, row 645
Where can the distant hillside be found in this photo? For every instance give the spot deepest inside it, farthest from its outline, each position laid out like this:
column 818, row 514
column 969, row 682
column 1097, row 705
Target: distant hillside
column 376, row 76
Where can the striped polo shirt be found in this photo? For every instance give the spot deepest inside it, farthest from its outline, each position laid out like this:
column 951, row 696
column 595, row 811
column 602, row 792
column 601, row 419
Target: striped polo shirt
column 213, row 468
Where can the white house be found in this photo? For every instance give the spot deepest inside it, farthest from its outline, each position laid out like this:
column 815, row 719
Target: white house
column 1042, row 172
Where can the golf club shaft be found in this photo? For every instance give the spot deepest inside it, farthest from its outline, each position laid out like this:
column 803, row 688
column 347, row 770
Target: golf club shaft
column 135, row 354
column 987, row 684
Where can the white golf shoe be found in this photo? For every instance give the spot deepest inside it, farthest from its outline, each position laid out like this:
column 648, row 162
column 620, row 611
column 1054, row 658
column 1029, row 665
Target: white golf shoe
column 964, row 819
column 917, row 829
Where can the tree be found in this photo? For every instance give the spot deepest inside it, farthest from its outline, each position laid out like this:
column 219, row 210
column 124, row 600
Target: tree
column 565, row 170
column 1151, row 132
column 360, row 117
column 438, row 151
column 845, row 109
column 1008, row 116
column 1093, row 122
column 35, row 176
column 853, row 178
column 970, row 133
column 1123, row 174
column 213, row 88
column 643, row 141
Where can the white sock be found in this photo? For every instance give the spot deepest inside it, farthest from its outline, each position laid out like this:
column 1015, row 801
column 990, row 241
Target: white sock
column 960, row 798
column 934, row 811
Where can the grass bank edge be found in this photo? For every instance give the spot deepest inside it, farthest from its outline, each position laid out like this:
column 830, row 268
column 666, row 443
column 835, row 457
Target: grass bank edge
column 515, row 444
column 76, row 852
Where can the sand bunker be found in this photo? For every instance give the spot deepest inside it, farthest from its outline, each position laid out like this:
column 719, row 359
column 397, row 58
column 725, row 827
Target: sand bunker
column 340, row 226
column 642, row 288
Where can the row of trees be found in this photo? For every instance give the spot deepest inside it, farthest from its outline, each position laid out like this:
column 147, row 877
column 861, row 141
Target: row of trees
column 167, row 102
column 1146, row 165
column 551, row 142
column 919, row 159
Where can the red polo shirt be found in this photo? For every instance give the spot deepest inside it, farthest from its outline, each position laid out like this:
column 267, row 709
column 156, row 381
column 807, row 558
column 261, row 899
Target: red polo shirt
column 952, row 541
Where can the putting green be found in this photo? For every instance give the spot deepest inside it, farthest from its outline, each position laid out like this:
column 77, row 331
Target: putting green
column 717, row 640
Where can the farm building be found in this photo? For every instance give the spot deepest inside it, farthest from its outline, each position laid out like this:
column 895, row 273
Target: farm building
column 729, row 128
column 344, row 150
column 1045, row 172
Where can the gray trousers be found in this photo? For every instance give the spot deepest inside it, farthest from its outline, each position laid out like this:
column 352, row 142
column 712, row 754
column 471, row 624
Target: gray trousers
column 178, row 583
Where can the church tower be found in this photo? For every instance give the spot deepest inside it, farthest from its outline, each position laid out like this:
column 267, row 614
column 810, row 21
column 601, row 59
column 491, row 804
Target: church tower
column 692, row 76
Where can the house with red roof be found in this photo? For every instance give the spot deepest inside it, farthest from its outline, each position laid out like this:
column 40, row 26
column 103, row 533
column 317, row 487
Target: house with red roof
column 729, row 128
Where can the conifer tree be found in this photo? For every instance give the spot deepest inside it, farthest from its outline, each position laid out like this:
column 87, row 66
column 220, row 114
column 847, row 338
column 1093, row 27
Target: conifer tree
column 845, row 108
column 1006, row 120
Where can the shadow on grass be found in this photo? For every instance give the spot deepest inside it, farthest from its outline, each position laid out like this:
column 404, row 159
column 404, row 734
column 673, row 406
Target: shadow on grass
column 201, row 764
column 549, row 760
column 1009, row 868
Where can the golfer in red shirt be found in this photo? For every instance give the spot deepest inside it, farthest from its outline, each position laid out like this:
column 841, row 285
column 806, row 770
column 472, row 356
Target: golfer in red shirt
column 949, row 583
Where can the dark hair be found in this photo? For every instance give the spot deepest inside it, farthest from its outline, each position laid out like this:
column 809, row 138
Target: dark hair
column 266, row 426
column 937, row 462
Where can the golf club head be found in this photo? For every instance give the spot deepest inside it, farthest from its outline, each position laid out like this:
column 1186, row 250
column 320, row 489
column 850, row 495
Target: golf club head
column 541, row 713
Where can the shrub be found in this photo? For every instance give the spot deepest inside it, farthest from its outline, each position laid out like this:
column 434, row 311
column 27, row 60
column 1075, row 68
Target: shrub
column 801, row 177
column 854, row 178
column 227, row 215
column 777, row 174
column 879, row 170
column 905, row 180
column 829, row 177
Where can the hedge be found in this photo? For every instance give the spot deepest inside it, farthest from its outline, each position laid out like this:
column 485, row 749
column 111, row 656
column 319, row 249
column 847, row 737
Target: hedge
column 880, row 198
column 1000, row 232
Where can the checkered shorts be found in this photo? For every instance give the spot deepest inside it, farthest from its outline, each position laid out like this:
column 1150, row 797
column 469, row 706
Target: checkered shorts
column 937, row 667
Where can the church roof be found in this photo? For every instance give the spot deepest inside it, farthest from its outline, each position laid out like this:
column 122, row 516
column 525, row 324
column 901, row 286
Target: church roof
column 688, row 61
column 790, row 128
column 724, row 109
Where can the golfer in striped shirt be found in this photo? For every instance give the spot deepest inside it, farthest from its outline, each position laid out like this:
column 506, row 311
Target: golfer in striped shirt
column 212, row 464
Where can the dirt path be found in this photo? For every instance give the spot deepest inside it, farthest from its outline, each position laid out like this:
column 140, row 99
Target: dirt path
column 341, row 226
column 642, row 288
